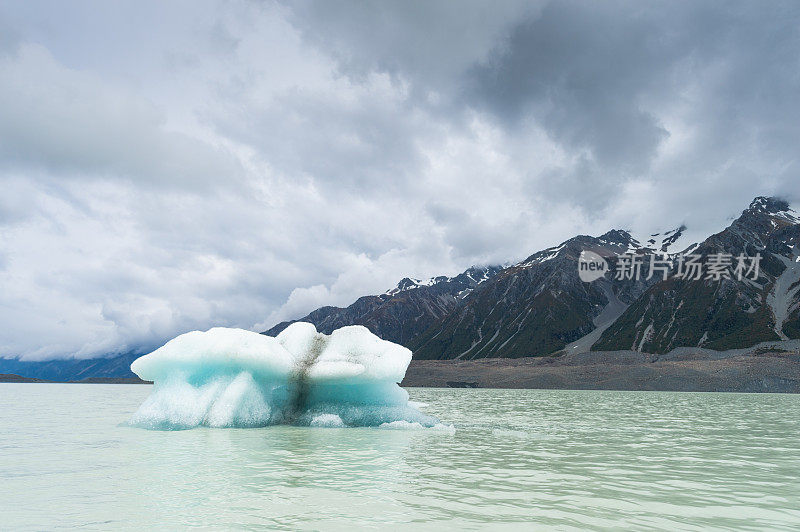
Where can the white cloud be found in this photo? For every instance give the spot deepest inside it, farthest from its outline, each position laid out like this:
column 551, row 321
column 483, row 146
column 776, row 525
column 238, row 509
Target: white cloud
column 73, row 124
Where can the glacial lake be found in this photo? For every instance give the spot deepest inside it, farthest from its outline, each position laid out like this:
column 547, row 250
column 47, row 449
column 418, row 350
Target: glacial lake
column 535, row 458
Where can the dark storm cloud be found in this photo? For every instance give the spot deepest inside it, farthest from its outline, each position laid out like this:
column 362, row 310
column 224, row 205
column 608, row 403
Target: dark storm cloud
column 599, row 77
column 429, row 42
column 581, row 69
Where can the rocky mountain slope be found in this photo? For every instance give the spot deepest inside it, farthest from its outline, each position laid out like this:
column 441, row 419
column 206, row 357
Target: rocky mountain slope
column 402, row 313
column 536, row 306
column 725, row 313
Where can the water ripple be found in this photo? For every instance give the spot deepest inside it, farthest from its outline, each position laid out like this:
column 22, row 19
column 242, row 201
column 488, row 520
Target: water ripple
column 580, row 460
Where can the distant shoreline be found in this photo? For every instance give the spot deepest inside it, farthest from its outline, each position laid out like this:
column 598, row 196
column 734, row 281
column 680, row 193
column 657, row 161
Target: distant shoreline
column 13, row 378
column 767, row 372
column 769, row 368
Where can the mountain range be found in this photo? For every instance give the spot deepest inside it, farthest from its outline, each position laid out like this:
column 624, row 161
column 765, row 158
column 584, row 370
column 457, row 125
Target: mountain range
column 541, row 307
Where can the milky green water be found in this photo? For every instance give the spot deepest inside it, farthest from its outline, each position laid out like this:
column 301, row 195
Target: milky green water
column 540, row 459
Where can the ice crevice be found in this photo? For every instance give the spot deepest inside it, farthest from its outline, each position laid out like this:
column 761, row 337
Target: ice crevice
column 300, row 382
column 236, row 378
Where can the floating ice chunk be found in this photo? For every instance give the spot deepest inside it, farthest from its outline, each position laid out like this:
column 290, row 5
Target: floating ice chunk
column 327, row 420
column 401, row 425
column 237, row 378
column 220, row 402
column 241, row 403
column 215, row 352
column 347, row 353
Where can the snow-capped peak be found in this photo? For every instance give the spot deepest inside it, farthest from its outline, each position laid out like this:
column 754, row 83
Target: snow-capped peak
column 666, row 242
column 774, row 207
column 470, row 278
column 542, row 256
column 408, row 283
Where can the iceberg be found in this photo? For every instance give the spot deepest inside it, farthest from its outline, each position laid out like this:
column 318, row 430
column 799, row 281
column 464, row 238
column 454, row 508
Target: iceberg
column 236, row 378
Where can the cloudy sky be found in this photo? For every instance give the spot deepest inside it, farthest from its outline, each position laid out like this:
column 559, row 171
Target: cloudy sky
column 169, row 166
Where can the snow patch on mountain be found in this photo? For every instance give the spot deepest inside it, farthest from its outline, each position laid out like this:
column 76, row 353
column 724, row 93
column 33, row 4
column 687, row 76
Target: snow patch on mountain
column 473, row 277
column 781, row 299
column 542, row 256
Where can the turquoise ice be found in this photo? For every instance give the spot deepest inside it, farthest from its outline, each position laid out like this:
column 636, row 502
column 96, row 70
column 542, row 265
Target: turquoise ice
column 237, row 378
